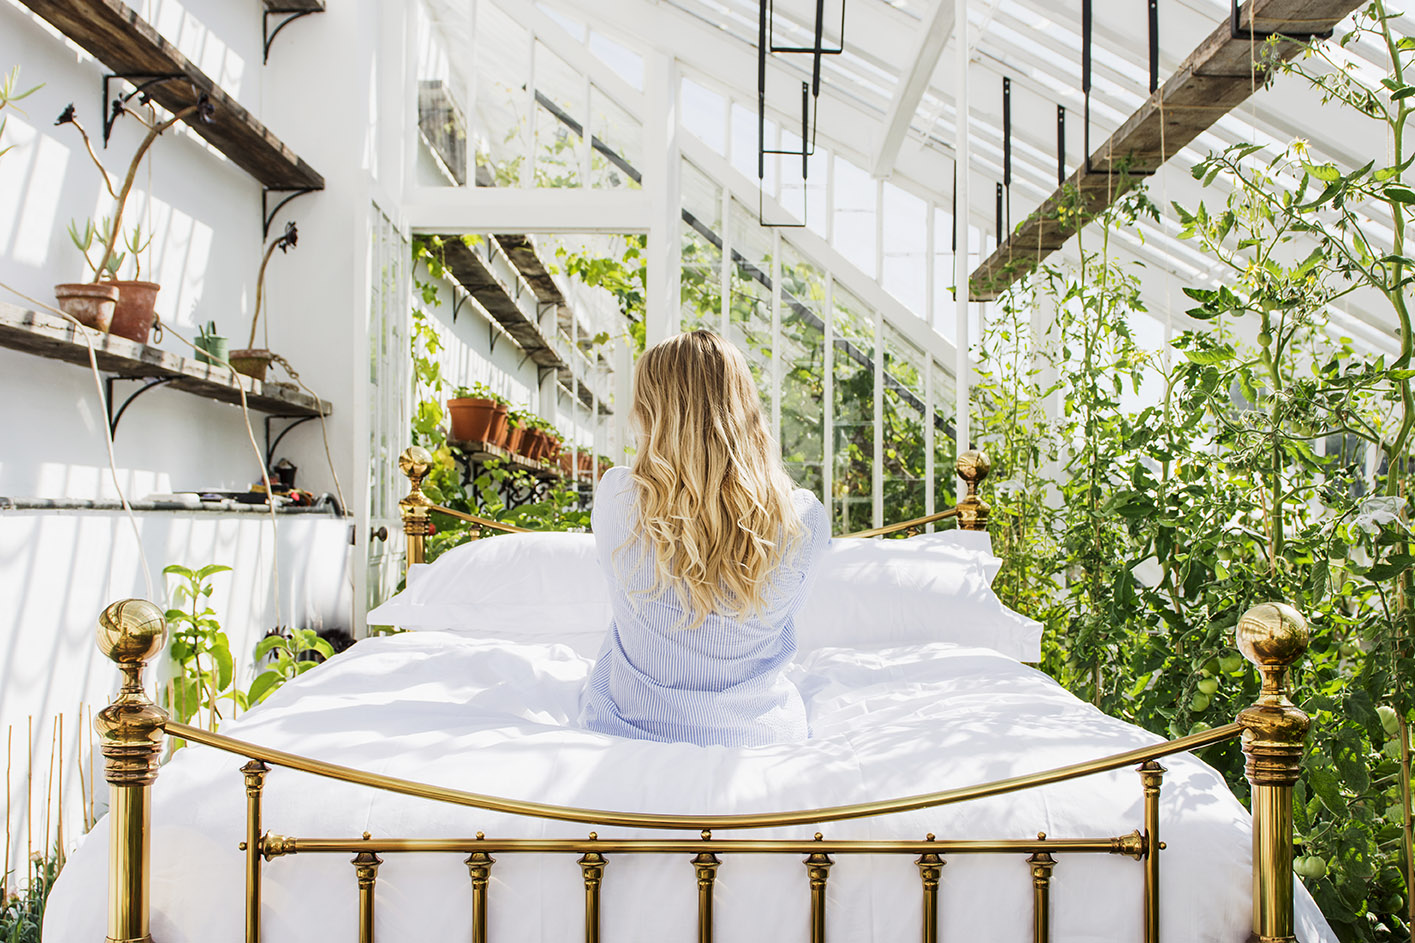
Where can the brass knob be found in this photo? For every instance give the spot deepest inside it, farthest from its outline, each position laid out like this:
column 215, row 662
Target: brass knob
column 131, row 631
column 380, row 534
column 1271, row 635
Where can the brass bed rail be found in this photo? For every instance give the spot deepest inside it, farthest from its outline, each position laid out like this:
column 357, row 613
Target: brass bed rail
column 417, row 508
column 1272, row 636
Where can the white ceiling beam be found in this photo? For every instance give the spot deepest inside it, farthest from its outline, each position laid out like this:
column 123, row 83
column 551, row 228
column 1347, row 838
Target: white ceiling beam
column 909, row 92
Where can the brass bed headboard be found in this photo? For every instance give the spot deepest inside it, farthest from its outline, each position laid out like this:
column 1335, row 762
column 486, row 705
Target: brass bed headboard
column 417, row 508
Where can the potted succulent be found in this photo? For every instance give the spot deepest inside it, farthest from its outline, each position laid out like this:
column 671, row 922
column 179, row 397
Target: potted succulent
column 252, row 360
column 123, row 306
column 211, row 346
column 477, row 414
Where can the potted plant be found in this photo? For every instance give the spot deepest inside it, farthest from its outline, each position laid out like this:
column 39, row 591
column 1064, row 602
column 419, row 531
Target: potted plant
column 515, row 429
column 533, row 445
column 211, row 346
column 477, row 414
column 553, row 440
column 252, row 360
column 124, row 307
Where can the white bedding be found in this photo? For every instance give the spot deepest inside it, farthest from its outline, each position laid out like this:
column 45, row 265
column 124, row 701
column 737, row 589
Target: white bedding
column 496, row 717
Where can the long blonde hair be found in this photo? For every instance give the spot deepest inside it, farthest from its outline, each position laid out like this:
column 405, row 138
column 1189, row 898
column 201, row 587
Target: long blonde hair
column 714, row 500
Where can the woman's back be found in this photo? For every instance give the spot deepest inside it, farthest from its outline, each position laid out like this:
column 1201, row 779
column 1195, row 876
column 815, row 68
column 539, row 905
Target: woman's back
column 720, row 682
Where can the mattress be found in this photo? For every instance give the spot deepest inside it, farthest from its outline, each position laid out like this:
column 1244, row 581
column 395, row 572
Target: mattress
column 498, row 717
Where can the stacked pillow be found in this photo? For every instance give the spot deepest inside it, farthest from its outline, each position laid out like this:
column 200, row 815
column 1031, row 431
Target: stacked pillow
column 547, row 587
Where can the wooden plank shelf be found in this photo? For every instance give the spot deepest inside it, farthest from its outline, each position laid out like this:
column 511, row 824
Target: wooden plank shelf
column 115, row 35
column 52, row 337
column 478, row 452
column 512, row 308
column 1216, row 77
column 294, row 6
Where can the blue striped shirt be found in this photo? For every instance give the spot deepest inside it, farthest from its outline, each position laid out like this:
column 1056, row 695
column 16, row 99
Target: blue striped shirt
column 720, row 683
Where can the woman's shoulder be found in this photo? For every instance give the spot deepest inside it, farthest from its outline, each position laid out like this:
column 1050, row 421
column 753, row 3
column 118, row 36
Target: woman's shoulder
column 808, row 506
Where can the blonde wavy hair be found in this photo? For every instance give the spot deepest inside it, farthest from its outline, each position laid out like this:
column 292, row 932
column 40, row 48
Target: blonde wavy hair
column 714, row 500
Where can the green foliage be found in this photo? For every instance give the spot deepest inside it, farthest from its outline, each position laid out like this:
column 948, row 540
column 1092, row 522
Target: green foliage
column 286, row 663
column 22, row 911
column 9, row 94
column 626, row 278
column 199, row 648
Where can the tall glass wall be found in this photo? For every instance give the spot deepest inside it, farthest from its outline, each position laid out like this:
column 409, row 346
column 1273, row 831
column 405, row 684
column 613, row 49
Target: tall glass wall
column 801, row 369
column 853, row 435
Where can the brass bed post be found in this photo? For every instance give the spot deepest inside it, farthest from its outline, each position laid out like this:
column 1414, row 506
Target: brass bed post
column 415, row 508
column 366, row 869
column 592, row 865
column 818, row 870
column 1152, row 777
column 1041, row 864
column 930, row 871
column 973, row 466
column 479, row 868
column 130, row 633
column 254, row 772
column 1273, row 636
column 705, row 864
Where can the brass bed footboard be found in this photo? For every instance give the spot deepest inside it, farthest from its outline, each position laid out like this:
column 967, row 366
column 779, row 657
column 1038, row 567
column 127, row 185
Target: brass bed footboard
column 1272, row 636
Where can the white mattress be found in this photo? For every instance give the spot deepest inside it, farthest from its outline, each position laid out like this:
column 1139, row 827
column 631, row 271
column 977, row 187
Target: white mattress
column 497, row 718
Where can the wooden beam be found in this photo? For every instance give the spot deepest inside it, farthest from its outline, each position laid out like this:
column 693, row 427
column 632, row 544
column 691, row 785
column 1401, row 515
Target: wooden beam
column 501, row 301
column 115, row 35
column 1216, row 77
column 909, row 91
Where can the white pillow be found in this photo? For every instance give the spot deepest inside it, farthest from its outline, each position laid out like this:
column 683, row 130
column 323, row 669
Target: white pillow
column 930, row 588
column 548, row 587
column 544, row 587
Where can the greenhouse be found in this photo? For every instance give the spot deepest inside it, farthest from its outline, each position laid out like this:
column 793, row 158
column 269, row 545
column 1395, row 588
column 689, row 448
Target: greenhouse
column 707, row 469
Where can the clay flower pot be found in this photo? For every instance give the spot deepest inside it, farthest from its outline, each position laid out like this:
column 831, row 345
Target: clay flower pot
column 514, row 436
column 533, row 445
column 89, row 304
column 552, row 448
column 477, row 420
column 136, row 310
column 251, row 361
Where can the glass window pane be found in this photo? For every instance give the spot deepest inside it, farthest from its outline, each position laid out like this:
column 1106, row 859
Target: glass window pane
column 614, row 161
column 945, row 449
column 560, row 107
column 503, row 51
column 855, row 215
column 905, row 241
column 852, row 500
column 802, row 354
column 903, row 455
column 750, row 315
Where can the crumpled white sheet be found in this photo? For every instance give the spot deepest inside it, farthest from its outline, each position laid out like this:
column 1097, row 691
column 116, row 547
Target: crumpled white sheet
column 496, row 717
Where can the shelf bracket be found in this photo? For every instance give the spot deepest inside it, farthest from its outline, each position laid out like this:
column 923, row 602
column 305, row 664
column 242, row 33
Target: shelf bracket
column 141, row 82
column 147, row 384
column 272, row 444
column 268, row 213
column 493, row 335
column 1236, row 30
column 457, row 305
column 268, row 35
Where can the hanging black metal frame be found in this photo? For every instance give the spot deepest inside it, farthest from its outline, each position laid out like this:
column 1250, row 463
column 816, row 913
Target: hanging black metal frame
column 1236, row 30
column 141, row 82
column 1086, row 80
column 810, row 101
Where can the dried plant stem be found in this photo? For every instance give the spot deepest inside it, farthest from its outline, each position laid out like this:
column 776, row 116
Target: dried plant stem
column 260, row 290
column 114, row 234
column 102, row 171
column 59, row 822
column 9, row 745
column 49, row 784
column 29, row 786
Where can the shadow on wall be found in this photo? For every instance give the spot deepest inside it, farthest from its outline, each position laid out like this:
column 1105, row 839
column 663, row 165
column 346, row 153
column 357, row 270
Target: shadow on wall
column 60, row 569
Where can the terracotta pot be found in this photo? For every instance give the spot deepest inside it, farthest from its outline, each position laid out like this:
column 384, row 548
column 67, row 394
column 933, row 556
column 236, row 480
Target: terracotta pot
column 584, row 461
column 136, row 310
column 475, row 419
column 563, row 460
column 514, row 436
column 251, row 361
column 533, row 445
column 91, row 305
column 552, row 448
column 497, row 434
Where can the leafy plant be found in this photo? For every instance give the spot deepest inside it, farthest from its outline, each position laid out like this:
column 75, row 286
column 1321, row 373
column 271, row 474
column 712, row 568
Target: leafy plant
column 206, row 670
column 9, row 94
column 287, row 654
column 22, row 911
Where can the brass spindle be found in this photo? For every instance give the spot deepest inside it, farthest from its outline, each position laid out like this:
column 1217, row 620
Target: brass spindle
column 1273, row 636
column 706, row 864
column 479, row 867
column 1152, row 777
column 366, row 867
column 818, row 869
column 592, row 864
column 930, row 870
column 1041, row 864
column 254, row 772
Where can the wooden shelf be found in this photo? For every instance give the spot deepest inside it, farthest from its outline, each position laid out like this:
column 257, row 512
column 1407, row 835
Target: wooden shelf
column 1216, row 77
column 52, row 337
column 115, row 35
column 502, row 293
column 481, row 451
column 294, row 6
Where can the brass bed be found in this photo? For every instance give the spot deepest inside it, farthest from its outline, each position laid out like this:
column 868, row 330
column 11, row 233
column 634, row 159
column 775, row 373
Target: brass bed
column 132, row 731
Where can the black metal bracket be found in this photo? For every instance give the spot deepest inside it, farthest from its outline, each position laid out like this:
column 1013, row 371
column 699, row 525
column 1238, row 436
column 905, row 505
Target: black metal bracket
column 141, row 82
column 1086, row 97
column 267, row 213
column 817, row 49
column 271, row 444
column 457, row 303
column 268, row 35
column 493, row 336
column 1060, row 145
column 147, row 384
column 1236, row 30
column 541, row 372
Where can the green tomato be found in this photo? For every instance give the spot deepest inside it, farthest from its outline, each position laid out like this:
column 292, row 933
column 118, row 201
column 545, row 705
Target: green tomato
column 1310, row 867
column 1208, row 685
column 1199, row 726
column 1209, row 668
column 1231, row 662
column 1199, row 702
column 1348, row 650
column 1265, row 339
column 1389, row 720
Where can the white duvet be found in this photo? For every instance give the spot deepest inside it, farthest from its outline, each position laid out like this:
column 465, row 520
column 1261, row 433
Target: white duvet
column 497, row 717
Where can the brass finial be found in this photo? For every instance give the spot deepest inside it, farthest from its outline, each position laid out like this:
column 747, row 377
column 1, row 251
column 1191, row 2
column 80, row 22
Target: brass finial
column 131, row 632
column 973, row 466
column 1273, row 636
column 415, row 462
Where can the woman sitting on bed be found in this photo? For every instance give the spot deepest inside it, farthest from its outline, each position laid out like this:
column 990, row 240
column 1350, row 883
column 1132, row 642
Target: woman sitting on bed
column 708, row 550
